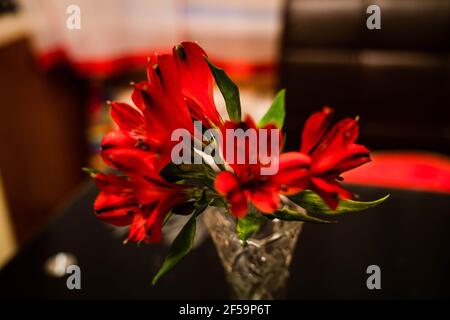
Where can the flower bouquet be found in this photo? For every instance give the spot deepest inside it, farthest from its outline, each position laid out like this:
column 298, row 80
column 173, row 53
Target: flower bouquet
column 173, row 154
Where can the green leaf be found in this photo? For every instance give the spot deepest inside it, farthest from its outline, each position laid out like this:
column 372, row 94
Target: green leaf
column 276, row 112
column 167, row 217
column 91, row 171
column 229, row 89
column 314, row 204
column 219, row 202
column 249, row 224
column 182, row 244
column 292, row 215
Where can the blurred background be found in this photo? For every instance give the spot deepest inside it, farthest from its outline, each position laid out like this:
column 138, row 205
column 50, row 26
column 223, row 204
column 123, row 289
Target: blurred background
column 55, row 79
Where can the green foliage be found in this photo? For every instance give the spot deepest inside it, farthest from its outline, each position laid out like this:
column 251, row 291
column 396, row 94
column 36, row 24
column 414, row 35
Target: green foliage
column 250, row 224
column 293, row 215
column 276, row 113
column 182, row 244
column 313, row 204
column 230, row 91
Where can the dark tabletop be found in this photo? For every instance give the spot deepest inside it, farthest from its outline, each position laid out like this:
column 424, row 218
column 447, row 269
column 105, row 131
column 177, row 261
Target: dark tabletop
column 407, row 237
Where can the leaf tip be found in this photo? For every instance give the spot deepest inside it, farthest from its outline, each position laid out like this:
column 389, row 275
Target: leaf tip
column 383, row 199
column 155, row 280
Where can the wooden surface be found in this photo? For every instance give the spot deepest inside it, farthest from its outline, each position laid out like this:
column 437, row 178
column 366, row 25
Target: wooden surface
column 41, row 136
column 7, row 239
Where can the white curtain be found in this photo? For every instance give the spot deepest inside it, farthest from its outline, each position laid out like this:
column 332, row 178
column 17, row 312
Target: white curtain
column 230, row 30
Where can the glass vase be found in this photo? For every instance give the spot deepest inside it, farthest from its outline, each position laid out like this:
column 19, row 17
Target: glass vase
column 259, row 269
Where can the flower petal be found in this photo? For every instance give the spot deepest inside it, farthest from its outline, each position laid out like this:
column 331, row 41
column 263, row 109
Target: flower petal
column 330, row 191
column 156, row 190
column 337, row 152
column 343, row 159
column 293, row 174
column 117, row 139
column 135, row 161
column 197, row 82
column 111, row 183
column 154, row 231
column 108, row 201
column 266, row 201
column 226, row 182
column 239, row 203
column 128, row 119
column 343, row 133
column 138, row 231
column 119, row 217
column 315, row 127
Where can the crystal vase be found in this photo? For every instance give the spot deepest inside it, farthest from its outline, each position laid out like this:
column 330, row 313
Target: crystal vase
column 259, row 269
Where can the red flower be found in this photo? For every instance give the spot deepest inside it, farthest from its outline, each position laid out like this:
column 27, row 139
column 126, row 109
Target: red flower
column 247, row 184
column 179, row 88
column 138, row 202
column 145, row 130
column 197, row 83
column 333, row 151
column 160, row 98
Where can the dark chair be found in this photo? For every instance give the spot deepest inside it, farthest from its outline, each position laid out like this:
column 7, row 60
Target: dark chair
column 396, row 78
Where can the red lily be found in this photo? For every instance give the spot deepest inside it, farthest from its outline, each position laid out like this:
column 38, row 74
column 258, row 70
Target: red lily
column 333, row 151
column 138, row 202
column 247, row 184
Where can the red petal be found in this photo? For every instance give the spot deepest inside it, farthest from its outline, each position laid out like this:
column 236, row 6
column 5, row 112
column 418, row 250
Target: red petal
column 154, row 233
column 337, row 151
column 116, row 203
column 239, row 203
column 155, row 189
column 138, row 231
column 196, row 79
column 128, row 119
column 294, row 161
column 108, row 201
column 119, row 217
column 163, row 73
column 155, row 222
column 112, row 183
column 141, row 96
column 265, row 201
column 226, row 182
column 293, row 173
column 152, row 65
column 354, row 160
column 329, row 190
column 331, row 199
column 331, row 186
column 147, row 98
column 314, row 129
column 158, row 100
column 134, row 161
column 343, row 159
column 117, row 139
column 343, row 133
